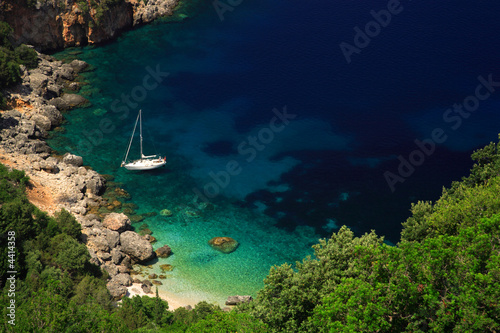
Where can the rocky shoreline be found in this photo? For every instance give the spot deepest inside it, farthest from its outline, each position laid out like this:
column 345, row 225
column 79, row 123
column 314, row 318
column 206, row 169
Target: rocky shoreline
column 36, row 106
column 62, row 182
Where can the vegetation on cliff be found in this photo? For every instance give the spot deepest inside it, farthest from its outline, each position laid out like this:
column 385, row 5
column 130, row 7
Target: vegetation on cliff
column 11, row 58
column 443, row 276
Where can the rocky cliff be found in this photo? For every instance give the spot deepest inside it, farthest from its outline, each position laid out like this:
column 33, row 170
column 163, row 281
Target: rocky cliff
column 55, row 24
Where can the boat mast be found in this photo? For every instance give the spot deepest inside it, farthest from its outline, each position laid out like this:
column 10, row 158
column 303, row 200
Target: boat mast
column 131, row 139
column 140, row 124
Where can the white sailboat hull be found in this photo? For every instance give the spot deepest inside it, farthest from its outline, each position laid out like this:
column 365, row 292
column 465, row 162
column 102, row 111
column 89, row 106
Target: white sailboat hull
column 144, row 164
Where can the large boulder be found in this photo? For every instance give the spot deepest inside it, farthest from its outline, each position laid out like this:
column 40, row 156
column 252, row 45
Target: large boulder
column 234, row 300
column 78, row 65
column 164, row 252
column 95, row 184
column 116, row 256
column 139, row 249
column 117, row 222
column 98, row 243
column 38, row 81
column 73, row 160
column 116, row 290
column 68, row 101
column 223, row 244
column 52, row 113
column 42, row 122
column 74, row 100
column 123, row 279
column 112, row 237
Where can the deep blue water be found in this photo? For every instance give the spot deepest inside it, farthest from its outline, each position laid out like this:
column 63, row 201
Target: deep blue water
column 325, row 166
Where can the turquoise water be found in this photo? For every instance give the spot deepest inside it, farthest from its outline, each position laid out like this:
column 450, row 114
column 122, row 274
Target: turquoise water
column 199, row 271
column 302, row 178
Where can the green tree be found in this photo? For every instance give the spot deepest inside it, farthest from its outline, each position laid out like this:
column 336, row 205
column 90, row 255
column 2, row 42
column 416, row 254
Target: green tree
column 68, row 224
column 447, row 283
column 289, row 296
column 221, row 322
column 92, row 290
column 5, row 34
column 9, row 68
column 68, row 254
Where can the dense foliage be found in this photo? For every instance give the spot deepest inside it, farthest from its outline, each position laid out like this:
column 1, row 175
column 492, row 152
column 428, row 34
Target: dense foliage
column 444, row 275
column 57, row 289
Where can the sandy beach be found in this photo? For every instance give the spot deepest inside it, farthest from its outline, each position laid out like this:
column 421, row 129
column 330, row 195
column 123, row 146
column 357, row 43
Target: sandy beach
column 174, row 301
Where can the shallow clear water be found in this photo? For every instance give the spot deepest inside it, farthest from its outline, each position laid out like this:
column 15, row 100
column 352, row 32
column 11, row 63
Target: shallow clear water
column 296, row 180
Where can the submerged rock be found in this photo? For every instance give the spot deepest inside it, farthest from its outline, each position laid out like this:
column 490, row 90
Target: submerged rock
column 166, row 212
column 145, row 231
column 164, row 251
column 223, row 244
column 166, row 268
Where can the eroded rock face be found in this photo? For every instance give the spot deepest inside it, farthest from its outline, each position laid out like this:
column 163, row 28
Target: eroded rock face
column 117, row 222
column 223, row 244
column 139, row 249
column 56, row 24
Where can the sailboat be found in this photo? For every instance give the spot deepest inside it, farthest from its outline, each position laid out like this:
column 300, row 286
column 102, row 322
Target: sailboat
column 145, row 162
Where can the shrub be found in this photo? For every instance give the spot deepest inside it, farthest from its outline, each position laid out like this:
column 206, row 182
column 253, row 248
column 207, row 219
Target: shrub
column 68, row 224
column 9, row 68
column 27, row 56
column 5, row 34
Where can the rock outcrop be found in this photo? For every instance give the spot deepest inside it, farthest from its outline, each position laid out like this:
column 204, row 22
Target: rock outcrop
column 56, row 24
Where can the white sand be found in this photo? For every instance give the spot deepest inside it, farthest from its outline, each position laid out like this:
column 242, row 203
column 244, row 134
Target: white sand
column 174, row 301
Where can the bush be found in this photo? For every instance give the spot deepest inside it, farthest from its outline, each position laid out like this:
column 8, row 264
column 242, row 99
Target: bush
column 68, row 224
column 221, row 322
column 27, row 56
column 9, row 68
column 5, row 34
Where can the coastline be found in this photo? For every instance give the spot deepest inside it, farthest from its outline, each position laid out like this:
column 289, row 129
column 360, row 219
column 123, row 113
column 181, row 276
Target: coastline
column 63, row 182
column 36, row 107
